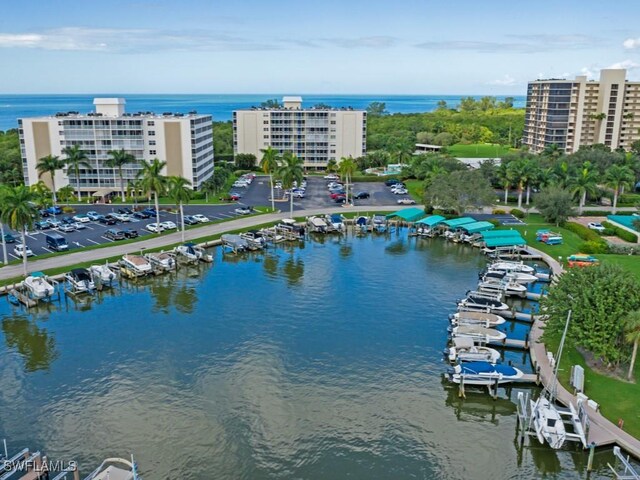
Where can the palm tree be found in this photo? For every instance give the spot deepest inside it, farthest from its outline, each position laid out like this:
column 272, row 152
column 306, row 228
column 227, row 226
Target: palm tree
column 42, row 194
column 75, row 161
column 18, row 210
column 152, row 181
column 179, row 191
column 531, row 173
column 505, row 180
column 632, row 335
column 346, row 168
column 552, row 151
column 517, row 171
column 290, row 171
column 332, row 166
column 617, row 177
column 120, row 158
column 66, row 194
column 50, row 164
column 3, row 192
column 269, row 164
column 583, row 184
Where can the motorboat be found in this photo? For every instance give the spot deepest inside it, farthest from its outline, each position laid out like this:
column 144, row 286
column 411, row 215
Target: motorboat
column 484, row 373
column 464, row 349
column 234, row 242
column 102, row 273
column 483, row 300
column 379, row 223
column 504, row 286
column 164, row 261
column 271, row 234
column 318, row 225
column 517, row 277
column 337, row 221
column 506, row 266
column 483, row 319
column 80, row 280
column 288, row 230
column 255, row 239
column 38, row 286
column 135, row 265
column 114, row 469
column 547, row 422
column 478, row 333
column 193, row 253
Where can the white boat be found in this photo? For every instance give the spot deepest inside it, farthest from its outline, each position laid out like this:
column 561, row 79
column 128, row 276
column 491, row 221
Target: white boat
column 135, row 265
column 255, row 239
column 506, row 266
column 102, row 273
column 516, row 277
column 484, row 373
column 478, row 333
column 163, row 260
column 507, row 287
column 318, row 224
column 379, row 223
column 80, row 280
column 114, row 469
column 464, row 349
column 234, row 242
column 548, row 423
column 193, row 253
column 38, row 286
column 336, row 221
column 483, row 300
column 482, row 319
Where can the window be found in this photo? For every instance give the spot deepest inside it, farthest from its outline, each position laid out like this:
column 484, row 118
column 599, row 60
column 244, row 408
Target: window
column 152, row 142
column 152, row 133
column 333, row 122
column 151, row 123
column 152, row 152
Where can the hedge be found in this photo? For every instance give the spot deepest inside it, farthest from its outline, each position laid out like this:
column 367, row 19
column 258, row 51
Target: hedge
column 628, row 199
column 498, row 211
column 602, row 213
column 517, row 213
column 594, row 247
column 583, row 232
column 621, row 232
column 369, row 178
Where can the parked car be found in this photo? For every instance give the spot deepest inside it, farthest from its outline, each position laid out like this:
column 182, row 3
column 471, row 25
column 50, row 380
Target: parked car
column 130, row 233
column 94, row 216
column 142, row 214
column 400, row 191
column 111, row 216
column 234, row 196
column 406, row 201
column 342, row 199
column 597, row 226
column 54, row 210
column 150, row 211
column 243, row 210
column 331, row 176
column 155, row 227
column 361, row 195
column 398, row 186
column 125, row 210
column 81, row 218
column 8, row 238
column 67, row 227
column 42, row 225
column 391, row 181
column 67, row 220
column 339, row 193
column 54, row 223
column 19, row 248
column 298, row 194
column 121, row 217
column 79, row 226
column 107, row 220
column 240, row 184
column 168, row 225
column 44, row 213
column 189, row 220
column 114, row 234
column 200, row 218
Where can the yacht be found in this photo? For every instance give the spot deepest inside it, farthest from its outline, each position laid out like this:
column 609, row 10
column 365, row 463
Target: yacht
column 135, row 265
column 508, row 287
column 80, row 280
column 516, row 277
column 38, row 286
column 464, row 349
column 478, row 333
column 484, row 373
column 482, row 319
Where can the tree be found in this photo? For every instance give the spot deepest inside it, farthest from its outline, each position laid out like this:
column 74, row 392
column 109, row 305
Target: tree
column 377, row 109
column 441, row 105
column 552, row 151
column 271, row 103
column 618, row 176
column 459, row 191
column 50, row 164
column 153, row 182
column 245, row 161
column 346, row 168
column 322, row 106
column 76, row 159
column 467, row 104
column 635, row 147
column 269, row 164
column 632, row 335
column 208, row 187
column 65, row 194
column 42, row 194
column 504, row 177
column 599, row 298
column 517, row 171
column 3, row 192
column 179, row 191
column 290, row 171
column 18, row 211
column 444, row 139
column 120, row 158
column 555, row 204
column 332, row 166
column 583, row 184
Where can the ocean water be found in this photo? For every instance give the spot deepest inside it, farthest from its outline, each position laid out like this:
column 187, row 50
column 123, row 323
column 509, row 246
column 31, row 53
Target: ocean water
column 221, row 107
column 322, row 361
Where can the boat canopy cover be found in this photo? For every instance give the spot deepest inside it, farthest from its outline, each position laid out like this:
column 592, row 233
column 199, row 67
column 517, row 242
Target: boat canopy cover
column 408, row 214
column 505, row 241
column 486, row 367
column 432, row 220
column 189, row 244
column 37, row 274
column 500, row 234
column 463, row 342
column 476, row 227
column 457, row 222
column 362, row 220
column 336, row 218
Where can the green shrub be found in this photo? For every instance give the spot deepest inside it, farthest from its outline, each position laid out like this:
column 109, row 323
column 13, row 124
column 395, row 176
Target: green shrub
column 368, row 178
column 495, row 222
column 498, row 211
column 583, row 232
column 517, row 213
column 601, row 213
column 628, row 199
column 594, row 247
column 239, row 173
column 621, row 232
column 68, row 210
column 624, row 249
column 608, row 232
column 198, row 195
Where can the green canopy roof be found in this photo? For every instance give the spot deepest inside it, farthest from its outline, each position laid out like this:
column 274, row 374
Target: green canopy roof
column 457, row 222
column 408, row 214
column 500, row 234
column 432, row 220
column 476, row 227
column 505, row 242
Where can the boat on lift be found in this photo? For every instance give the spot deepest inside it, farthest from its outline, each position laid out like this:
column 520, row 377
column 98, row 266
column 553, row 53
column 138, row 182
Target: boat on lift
column 483, row 300
column 102, row 273
column 234, row 242
column 255, row 239
column 507, row 266
column 318, row 225
column 516, row 277
column 482, row 319
column 478, row 333
column 379, row 223
column 484, row 373
column 193, row 253
column 80, row 281
column 38, row 286
column 337, row 221
column 507, row 287
column 164, row 261
column 464, row 349
column 135, row 265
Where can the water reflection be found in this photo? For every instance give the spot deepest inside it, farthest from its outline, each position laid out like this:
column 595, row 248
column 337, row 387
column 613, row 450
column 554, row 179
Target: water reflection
column 33, row 343
column 478, row 407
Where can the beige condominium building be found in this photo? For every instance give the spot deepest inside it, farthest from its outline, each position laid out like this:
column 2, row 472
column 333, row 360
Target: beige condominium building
column 315, row 135
column 184, row 141
column 573, row 113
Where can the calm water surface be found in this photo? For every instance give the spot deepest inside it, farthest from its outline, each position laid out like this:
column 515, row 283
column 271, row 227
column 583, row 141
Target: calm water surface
column 319, row 362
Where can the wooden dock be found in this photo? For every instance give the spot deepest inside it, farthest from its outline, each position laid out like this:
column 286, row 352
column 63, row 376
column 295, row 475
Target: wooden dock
column 510, row 343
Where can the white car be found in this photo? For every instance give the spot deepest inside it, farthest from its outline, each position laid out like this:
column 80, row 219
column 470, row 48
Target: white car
column 243, row 210
column 201, row 218
column 81, row 218
column 400, row 191
column 155, row 227
column 18, row 249
column 597, row 226
column 79, row 226
column 121, row 217
column 331, row 176
column 240, row 183
column 298, row 194
column 406, row 201
column 168, row 225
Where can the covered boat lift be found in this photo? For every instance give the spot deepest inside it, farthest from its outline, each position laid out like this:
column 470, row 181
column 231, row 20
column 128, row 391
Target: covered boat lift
column 410, row 215
column 458, row 222
column 477, row 227
column 426, row 226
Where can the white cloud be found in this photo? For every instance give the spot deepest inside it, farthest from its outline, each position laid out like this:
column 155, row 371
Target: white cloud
column 506, row 81
column 517, row 44
column 628, row 64
column 376, row 41
column 631, row 43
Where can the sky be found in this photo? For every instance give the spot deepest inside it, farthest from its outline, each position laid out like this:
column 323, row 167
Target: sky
column 331, row 46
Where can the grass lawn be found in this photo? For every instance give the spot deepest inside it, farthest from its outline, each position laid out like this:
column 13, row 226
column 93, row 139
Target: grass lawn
column 480, row 150
column 416, row 189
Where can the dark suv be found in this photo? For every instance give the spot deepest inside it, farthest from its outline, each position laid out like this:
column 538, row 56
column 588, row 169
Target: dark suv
column 130, row 233
column 107, row 220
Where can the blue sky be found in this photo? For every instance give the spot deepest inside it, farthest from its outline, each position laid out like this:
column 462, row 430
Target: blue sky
column 347, row 46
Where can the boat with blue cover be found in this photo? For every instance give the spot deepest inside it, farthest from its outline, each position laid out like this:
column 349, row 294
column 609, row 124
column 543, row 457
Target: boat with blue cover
column 484, row 373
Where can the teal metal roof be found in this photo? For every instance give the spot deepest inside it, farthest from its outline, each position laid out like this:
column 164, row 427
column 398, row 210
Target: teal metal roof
column 500, row 234
column 432, row 220
column 505, row 242
column 476, row 227
column 408, row 214
column 457, row 222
